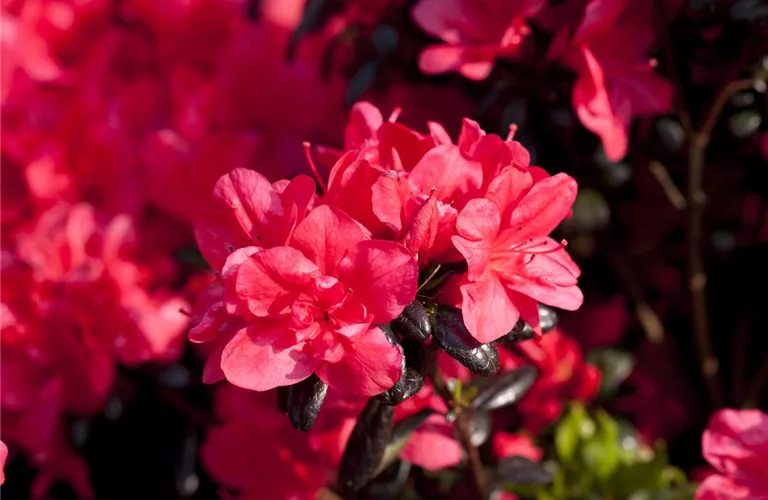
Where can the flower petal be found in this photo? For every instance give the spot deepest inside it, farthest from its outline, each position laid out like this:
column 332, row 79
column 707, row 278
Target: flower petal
column 263, row 356
column 370, row 365
column 383, row 275
column 326, row 235
column 269, row 281
column 252, row 199
column 433, row 445
column 544, row 207
column 487, row 310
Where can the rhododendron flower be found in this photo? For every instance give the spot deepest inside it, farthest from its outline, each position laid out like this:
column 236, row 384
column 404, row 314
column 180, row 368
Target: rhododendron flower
column 312, row 307
column 512, row 262
column 736, row 444
column 475, row 33
column 616, row 79
column 3, row 456
column 250, row 211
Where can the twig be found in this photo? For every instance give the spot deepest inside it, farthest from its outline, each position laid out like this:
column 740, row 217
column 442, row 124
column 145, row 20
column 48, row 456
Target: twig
column 462, row 424
column 475, row 463
column 697, row 276
column 674, row 195
column 649, row 320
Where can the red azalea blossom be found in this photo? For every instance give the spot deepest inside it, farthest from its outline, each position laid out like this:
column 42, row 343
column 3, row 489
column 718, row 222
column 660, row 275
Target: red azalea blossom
column 475, row 32
column 513, row 264
column 311, row 306
column 3, row 456
column 616, row 81
column 736, row 444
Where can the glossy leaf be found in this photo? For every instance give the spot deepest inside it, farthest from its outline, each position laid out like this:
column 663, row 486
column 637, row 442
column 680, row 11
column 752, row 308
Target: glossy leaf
column 363, row 455
column 519, row 470
column 413, row 322
column 401, row 433
column 454, row 338
column 304, row 402
column 505, row 390
column 615, row 366
column 409, row 384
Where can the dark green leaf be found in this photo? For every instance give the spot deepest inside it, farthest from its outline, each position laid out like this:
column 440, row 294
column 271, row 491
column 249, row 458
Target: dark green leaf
column 519, row 470
column 304, row 402
column 400, row 435
column 615, row 366
column 505, row 390
column 744, row 123
column 366, row 446
column 361, row 81
column 413, row 322
column 385, row 39
column 309, row 21
column 409, row 384
column 548, row 319
column 479, row 428
column 454, row 338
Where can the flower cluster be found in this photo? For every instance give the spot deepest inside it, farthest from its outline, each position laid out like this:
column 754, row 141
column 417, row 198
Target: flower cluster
column 304, row 280
column 736, row 445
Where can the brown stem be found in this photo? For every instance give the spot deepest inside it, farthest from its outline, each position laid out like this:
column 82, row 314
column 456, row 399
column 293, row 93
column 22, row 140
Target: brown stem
column 475, row 463
column 675, row 197
column 697, row 276
column 462, row 424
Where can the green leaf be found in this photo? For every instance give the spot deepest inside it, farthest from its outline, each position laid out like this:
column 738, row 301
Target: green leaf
column 568, row 432
column 602, row 452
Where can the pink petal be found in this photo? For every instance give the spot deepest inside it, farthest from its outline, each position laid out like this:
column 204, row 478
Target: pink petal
column 546, row 205
column 438, row 59
column 717, row 487
column 232, row 302
column 370, row 365
column 595, row 110
column 364, row 121
column 264, row 356
column 299, row 193
column 3, row 456
column 269, row 281
column 433, row 446
column 547, row 280
column 508, row 188
column 487, row 309
column 387, row 197
column 454, row 176
column 438, row 133
column 470, row 134
column 252, row 199
column 421, row 229
column 326, row 235
column 479, row 220
column 437, row 17
column 383, row 275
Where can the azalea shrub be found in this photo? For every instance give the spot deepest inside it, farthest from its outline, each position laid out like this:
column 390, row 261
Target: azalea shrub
column 338, row 249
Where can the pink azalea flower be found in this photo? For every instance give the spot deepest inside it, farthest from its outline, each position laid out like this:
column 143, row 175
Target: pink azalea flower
column 512, row 262
column 736, row 444
column 475, row 32
column 311, row 307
